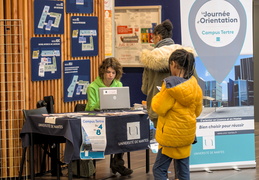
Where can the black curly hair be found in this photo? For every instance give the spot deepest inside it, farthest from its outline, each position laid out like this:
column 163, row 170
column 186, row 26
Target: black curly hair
column 165, row 29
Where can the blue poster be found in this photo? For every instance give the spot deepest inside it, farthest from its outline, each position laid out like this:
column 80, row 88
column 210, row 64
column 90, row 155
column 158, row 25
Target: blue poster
column 84, row 36
column 45, row 58
column 79, row 6
column 48, row 17
column 76, row 79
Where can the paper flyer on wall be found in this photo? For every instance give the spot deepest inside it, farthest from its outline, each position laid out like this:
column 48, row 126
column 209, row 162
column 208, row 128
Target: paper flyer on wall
column 93, row 138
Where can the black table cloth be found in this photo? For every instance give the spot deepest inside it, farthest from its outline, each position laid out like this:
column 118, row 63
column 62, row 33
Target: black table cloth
column 68, row 130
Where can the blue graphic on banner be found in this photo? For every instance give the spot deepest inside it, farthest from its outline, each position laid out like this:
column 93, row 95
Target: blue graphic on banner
column 84, row 35
column 224, row 151
column 79, row 6
column 86, row 150
column 48, row 17
column 45, row 58
column 92, row 155
column 76, row 79
column 224, row 142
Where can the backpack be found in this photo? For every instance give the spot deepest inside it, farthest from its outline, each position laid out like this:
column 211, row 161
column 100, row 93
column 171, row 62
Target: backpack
column 87, row 168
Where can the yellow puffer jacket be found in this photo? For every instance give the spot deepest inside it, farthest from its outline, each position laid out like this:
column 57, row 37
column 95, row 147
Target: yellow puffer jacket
column 177, row 104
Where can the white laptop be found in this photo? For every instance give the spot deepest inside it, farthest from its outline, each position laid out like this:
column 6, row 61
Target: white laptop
column 114, row 98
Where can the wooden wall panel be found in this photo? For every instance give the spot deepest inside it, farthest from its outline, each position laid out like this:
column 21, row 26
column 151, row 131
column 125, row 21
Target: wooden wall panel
column 3, row 145
column 21, row 92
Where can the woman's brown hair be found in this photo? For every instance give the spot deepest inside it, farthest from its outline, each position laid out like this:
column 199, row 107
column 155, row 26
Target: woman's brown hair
column 114, row 64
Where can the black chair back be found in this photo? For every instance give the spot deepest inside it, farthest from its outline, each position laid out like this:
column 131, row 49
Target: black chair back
column 79, row 107
column 41, row 110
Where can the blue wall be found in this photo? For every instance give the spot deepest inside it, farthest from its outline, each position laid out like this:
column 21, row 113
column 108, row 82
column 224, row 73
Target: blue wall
column 132, row 76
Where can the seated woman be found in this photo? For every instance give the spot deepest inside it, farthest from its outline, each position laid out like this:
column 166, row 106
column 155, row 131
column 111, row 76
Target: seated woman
column 110, row 72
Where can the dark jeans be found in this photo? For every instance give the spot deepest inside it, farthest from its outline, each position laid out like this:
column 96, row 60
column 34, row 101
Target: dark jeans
column 162, row 164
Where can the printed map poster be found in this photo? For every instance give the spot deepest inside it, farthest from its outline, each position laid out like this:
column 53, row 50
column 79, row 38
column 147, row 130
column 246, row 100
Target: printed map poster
column 76, row 79
column 84, row 36
column 79, row 6
column 133, row 32
column 45, row 58
column 48, row 17
column 93, row 137
column 221, row 33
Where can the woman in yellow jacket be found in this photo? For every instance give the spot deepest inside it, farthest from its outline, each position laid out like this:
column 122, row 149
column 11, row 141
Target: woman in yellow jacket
column 177, row 104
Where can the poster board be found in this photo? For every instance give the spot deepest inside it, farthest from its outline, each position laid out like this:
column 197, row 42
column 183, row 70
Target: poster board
column 48, row 17
column 76, row 79
column 84, row 36
column 45, row 58
column 79, row 6
column 133, row 32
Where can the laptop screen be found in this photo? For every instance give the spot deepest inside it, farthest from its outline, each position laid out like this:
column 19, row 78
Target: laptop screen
column 115, row 98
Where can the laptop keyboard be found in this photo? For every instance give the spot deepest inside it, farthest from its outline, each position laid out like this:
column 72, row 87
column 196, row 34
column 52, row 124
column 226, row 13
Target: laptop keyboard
column 114, row 110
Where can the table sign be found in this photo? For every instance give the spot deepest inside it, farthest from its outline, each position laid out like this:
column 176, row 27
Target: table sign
column 93, row 137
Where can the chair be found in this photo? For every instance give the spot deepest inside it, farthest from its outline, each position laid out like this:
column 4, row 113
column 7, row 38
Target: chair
column 27, row 113
column 79, row 107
